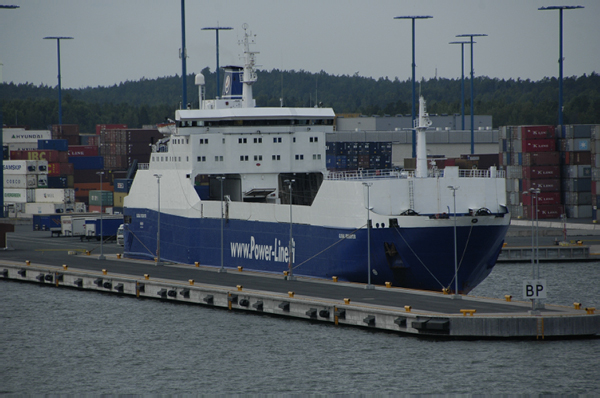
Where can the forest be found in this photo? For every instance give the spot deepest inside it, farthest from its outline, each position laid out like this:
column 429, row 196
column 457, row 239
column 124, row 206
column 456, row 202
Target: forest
column 151, row 101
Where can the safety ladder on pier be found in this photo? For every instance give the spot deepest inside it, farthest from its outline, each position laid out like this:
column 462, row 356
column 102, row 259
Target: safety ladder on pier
column 540, row 328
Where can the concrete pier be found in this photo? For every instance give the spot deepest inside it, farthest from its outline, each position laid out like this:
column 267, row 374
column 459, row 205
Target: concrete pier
column 384, row 308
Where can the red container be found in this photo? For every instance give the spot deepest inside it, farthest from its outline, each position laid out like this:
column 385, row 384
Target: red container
column 60, row 169
column 51, row 156
column 543, row 198
column 537, row 132
column 541, row 158
column 539, row 145
column 544, row 211
column 577, row 158
column 545, row 185
column 83, row 150
column 539, row 172
column 53, row 169
column 61, row 131
column 100, row 127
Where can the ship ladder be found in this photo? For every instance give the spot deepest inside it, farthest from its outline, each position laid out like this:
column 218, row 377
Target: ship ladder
column 540, row 328
column 411, row 194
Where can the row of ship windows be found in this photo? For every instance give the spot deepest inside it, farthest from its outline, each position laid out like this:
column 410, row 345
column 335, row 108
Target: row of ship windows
column 258, row 140
column 245, row 158
column 268, row 122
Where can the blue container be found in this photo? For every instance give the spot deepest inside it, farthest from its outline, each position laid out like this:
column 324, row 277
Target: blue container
column 57, row 145
column 87, row 162
column 123, row 184
column 58, row 182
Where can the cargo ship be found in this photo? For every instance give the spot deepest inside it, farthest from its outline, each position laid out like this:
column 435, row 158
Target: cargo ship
column 235, row 185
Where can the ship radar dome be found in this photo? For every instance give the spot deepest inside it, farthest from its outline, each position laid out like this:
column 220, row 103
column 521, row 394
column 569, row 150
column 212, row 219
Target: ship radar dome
column 199, row 79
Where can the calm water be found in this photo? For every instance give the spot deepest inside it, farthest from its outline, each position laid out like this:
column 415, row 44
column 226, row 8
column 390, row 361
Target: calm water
column 70, row 342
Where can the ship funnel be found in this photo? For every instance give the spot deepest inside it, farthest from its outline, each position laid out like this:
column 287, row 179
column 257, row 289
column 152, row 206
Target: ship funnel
column 232, row 84
column 421, row 124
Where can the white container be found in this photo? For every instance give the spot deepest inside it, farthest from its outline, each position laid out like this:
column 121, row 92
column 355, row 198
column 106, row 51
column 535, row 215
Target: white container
column 23, row 146
column 44, row 208
column 20, row 167
column 22, row 135
column 54, row 195
column 19, row 195
column 20, row 181
column 42, row 167
column 42, row 180
column 80, row 207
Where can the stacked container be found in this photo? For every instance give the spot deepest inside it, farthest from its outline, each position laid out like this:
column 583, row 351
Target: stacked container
column 100, row 201
column 358, row 155
column 530, row 156
column 576, row 162
column 60, row 171
column 18, row 139
column 69, row 132
column 120, row 147
column 122, row 187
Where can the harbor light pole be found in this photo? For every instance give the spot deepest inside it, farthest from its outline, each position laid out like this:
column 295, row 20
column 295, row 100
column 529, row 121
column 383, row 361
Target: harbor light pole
column 101, row 257
column 560, row 56
column 414, row 100
column 58, row 39
column 472, row 84
column 222, row 269
column 462, row 80
column 534, row 240
column 368, row 185
column 290, row 268
column 158, row 176
column 217, row 29
column 456, row 295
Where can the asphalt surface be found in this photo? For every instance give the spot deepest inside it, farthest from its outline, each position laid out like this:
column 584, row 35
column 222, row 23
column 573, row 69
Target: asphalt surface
column 40, row 248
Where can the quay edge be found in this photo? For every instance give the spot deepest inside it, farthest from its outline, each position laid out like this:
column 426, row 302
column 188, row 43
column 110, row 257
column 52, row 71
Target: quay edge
column 553, row 322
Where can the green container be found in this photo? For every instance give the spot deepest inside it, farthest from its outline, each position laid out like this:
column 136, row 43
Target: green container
column 101, row 198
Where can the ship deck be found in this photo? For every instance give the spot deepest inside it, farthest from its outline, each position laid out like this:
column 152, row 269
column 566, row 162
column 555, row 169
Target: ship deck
column 63, row 262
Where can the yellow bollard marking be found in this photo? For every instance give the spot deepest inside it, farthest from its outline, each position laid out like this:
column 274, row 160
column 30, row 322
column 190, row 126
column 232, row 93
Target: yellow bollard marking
column 239, row 288
column 508, row 297
column 104, row 272
column 335, row 278
column 470, row 312
column 291, row 294
column 407, row 308
column 388, row 284
column 191, row 281
column 577, row 306
column 346, row 301
column 590, row 310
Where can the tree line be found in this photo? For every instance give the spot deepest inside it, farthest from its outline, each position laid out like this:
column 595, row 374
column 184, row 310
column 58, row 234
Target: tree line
column 151, row 101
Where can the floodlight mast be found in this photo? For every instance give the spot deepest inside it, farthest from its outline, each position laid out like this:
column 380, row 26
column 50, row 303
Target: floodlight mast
column 472, row 84
column 560, row 56
column 414, row 95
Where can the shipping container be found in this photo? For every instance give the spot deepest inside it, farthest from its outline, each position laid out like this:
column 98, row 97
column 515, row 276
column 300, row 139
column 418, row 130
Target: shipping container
column 55, row 195
column 540, row 158
column 100, row 127
column 60, row 169
column 543, row 198
column 57, row 145
column 540, row 145
column 539, row 172
column 101, row 198
column 42, row 167
column 90, row 176
column 536, row 132
column 62, row 130
column 575, row 171
column 544, row 185
column 82, row 150
column 543, row 211
column 21, row 146
column 577, row 198
column 58, row 182
column 577, row 184
column 10, row 136
column 575, row 144
column 42, row 181
column 87, row 162
column 579, row 211
column 118, row 199
column 49, row 155
column 20, row 181
column 18, row 167
column 19, row 195
column 44, row 208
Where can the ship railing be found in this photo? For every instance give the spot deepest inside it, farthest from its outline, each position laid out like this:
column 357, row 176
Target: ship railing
column 366, row 174
column 143, row 166
column 477, row 173
column 400, row 173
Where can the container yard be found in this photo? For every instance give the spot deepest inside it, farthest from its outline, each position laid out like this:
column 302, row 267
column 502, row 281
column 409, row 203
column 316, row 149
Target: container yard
column 60, row 169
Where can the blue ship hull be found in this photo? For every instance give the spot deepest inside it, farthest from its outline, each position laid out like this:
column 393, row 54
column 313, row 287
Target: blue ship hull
column 417, row 258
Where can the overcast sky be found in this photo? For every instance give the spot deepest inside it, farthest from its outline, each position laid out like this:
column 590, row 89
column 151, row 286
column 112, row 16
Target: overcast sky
column 120, row 40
